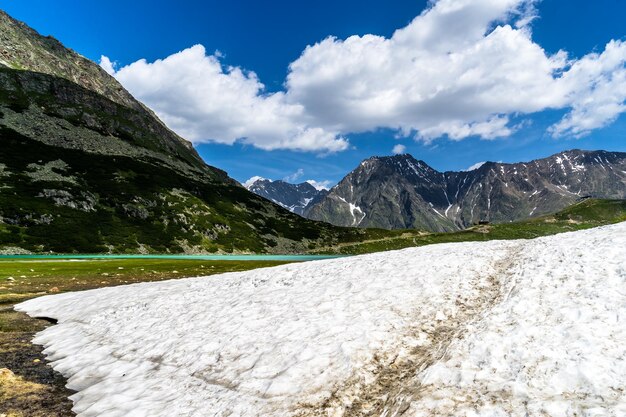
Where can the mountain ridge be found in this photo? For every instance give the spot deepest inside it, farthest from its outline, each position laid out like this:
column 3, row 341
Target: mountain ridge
column 396, row 192
column 296, row 198
column 24, row 49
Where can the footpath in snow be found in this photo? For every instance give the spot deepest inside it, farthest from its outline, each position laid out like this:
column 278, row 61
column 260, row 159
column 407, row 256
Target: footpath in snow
column 507, row 328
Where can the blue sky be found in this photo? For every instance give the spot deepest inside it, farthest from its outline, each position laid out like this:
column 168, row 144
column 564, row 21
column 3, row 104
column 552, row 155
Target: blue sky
column 266, row 37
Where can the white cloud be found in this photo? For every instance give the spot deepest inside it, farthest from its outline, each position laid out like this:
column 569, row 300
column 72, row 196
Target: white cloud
column 320, row 185
column 461, row 68
column 453, row 72
column 107, row 65
column 596, row 87
column 398, row 149
column 204, row 101
column 294, row 177
column 476, row 166
column 252, row 180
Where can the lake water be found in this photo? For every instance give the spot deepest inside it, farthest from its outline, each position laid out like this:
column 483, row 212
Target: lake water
column 291, row 258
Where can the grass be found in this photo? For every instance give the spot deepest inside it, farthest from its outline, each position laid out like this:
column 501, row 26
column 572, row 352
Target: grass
column 584, row 215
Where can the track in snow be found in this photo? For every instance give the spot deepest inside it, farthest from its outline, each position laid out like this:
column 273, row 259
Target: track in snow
column 393, row 385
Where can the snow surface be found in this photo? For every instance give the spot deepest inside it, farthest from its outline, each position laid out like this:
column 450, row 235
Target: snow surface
column 522, row 328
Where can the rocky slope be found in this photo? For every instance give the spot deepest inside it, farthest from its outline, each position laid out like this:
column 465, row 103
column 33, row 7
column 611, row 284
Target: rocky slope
column 400, row 192
column 84, row 167
column 40, row 75
column 297, row 198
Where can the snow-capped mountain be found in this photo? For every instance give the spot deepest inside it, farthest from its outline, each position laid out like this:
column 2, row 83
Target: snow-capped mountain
column 294, row 197
column 398, row 192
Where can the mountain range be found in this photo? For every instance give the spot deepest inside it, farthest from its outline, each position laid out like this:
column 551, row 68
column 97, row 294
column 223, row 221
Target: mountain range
column 400, row 192
column 297, row 198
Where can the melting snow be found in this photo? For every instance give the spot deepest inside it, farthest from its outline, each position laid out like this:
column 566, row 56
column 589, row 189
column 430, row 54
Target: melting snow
column 436, row 211
column 353, row 210
column 533, row 328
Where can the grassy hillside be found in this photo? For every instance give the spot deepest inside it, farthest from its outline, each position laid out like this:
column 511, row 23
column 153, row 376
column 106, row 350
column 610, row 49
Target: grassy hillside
column 584, row 215
column 66, row 201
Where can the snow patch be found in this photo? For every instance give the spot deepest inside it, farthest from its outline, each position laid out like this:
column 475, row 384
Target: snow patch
column 354, row 209
column 483, row 329
column 475, row 166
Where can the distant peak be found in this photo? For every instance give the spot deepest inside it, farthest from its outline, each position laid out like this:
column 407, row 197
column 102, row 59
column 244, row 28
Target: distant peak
column 403, row 164
column 392, row 159
column 311, row 185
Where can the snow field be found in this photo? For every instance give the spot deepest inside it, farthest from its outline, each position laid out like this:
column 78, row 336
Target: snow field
column 472, row 329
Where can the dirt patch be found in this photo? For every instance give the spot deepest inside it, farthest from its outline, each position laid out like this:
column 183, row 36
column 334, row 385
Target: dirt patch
column 393, row 382
column 29, row 387
column 484, row 229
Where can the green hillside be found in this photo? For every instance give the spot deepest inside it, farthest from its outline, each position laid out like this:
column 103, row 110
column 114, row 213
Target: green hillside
column 62, row 200
column 583, row 215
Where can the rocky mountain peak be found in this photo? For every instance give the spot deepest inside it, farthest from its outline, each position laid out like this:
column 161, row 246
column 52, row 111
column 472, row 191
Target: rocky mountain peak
column 295, row 197
column 23, row 48
column 402, row 192
column 403, row 165
column 38, row 74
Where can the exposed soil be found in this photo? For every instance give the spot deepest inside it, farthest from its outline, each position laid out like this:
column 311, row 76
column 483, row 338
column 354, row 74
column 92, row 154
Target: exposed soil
column 29, row 387
column 393, row 380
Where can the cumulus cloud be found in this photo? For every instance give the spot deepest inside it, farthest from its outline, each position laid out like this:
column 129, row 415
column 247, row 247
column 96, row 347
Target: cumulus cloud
column 461, row 68
column 398, row 149
column 295, row 176
column 320, row 185
column 448, row 74
column 107, row 65
column 596, row 89
column 205, row 101
column 252, row 180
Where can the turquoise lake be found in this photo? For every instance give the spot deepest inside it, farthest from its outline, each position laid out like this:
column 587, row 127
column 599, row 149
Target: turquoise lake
column 292, row 258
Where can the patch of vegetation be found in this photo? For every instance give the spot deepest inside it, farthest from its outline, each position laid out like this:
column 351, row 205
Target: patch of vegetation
column 17, row 66
column 584, row 215
column 124, row 205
